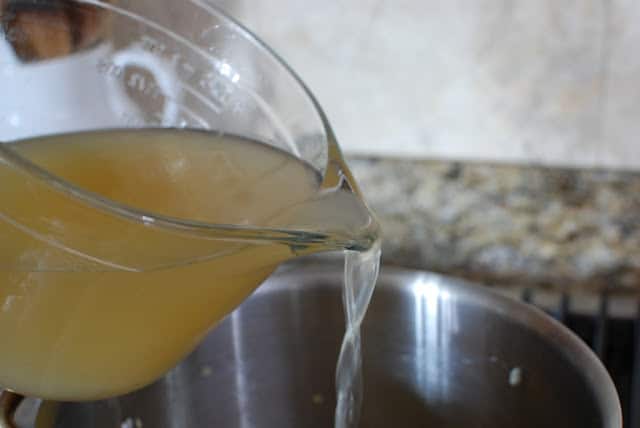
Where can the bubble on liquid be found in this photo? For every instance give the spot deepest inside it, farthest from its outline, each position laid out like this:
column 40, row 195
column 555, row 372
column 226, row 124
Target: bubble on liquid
column 206, row 371
column 148, row 220
column 515, row 376
column 132, row 423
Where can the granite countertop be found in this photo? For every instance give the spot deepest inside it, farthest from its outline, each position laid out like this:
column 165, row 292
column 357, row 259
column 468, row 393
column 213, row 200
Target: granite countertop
column 508, row 225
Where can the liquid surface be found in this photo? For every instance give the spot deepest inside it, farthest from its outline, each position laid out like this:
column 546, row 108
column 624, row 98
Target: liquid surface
column 94, row 304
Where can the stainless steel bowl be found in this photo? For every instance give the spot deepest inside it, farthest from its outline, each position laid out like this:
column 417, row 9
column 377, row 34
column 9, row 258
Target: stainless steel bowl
column 438, row 352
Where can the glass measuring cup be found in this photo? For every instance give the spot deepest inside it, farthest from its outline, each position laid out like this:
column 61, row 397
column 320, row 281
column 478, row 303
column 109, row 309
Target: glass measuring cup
column 72, row 66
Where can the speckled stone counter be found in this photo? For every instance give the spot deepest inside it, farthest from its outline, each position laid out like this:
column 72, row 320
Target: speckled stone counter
column 508, row 225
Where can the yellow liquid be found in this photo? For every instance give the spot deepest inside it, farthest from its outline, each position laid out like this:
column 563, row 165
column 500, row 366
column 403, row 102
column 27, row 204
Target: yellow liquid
column 94, row 305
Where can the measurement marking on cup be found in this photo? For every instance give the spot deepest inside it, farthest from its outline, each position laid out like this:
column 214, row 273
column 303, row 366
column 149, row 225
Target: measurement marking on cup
column 152, row 45
column 211, row 90
column 134, row 80
column 215, row 85
column 216, row 89
column 156, row 47
column 109, row 68
column 142, row 84
column 219, row 86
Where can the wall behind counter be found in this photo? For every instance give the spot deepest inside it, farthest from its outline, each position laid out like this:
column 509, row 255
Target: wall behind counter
column 551, row 82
